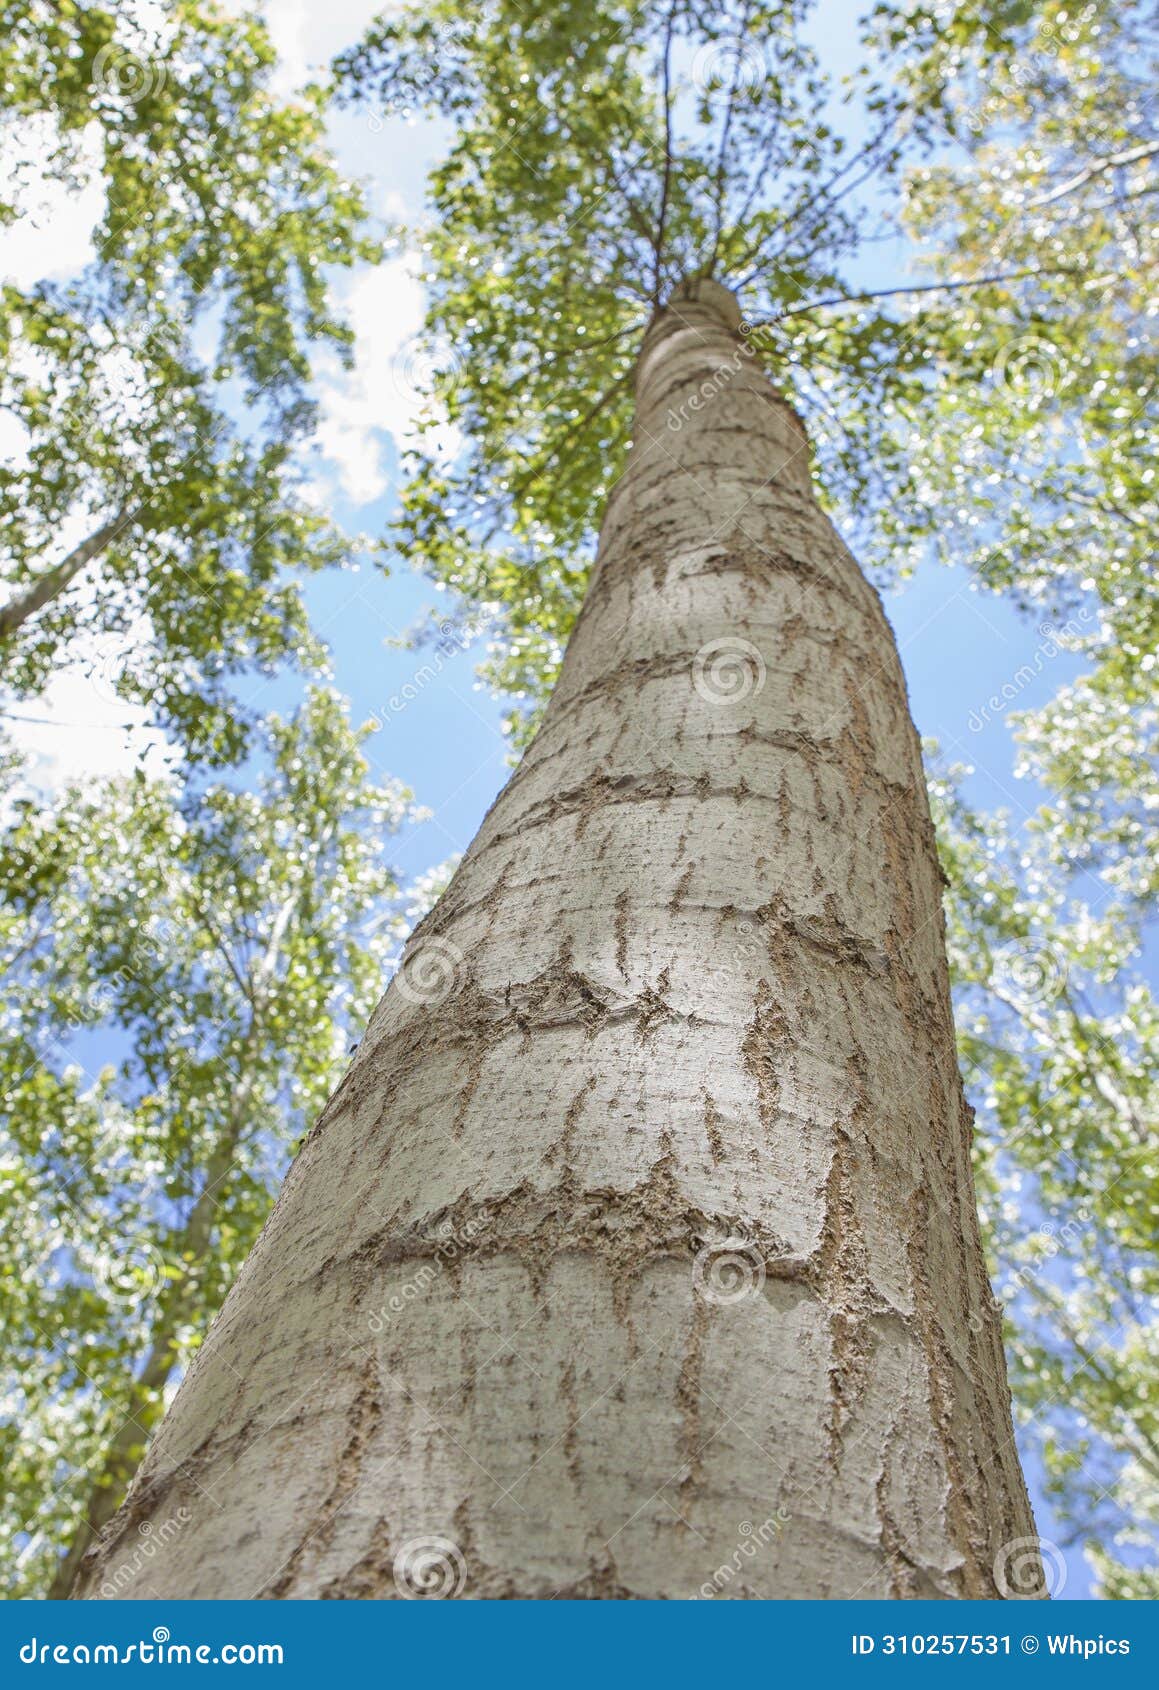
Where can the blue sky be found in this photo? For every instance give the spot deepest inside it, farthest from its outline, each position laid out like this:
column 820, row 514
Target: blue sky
column 959, row 646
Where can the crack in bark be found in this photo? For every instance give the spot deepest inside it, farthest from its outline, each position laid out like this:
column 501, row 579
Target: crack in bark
column 364, row 1418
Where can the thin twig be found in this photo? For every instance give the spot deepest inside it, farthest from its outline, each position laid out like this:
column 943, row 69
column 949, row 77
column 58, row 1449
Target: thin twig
column 1133, row 155
column 927, row 287
column 658, row 241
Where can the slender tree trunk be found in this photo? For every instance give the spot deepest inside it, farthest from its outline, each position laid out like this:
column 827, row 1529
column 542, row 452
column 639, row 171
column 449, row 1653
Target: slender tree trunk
column 123, row 1454
column 636, row 1255
column 48, row 586
column 145, row 1404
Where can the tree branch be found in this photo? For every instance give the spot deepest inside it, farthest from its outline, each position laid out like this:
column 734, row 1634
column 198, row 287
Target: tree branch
column 53, row 582
column 926, row 287
column 1133, row 155
column 665, row 186
column 721, row 173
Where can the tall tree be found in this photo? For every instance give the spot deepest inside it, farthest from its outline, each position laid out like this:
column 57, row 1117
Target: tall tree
column 581, row 188
column 181, row 974
column 645, row 1208
column 993, row 413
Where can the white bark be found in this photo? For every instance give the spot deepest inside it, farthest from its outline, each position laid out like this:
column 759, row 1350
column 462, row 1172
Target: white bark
column 48, row 586
column 639, row 1242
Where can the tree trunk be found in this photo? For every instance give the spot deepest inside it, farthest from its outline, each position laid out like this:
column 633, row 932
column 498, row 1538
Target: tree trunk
column 191, row 1246
column 52, row 583
column 637, row 1255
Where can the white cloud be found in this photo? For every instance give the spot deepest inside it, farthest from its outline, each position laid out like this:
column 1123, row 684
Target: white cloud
column 76, row 730
column 383, row 394
column 15, row 439
column 52, row 237
column 308, row 35
column 78, row 727
column 381, row 397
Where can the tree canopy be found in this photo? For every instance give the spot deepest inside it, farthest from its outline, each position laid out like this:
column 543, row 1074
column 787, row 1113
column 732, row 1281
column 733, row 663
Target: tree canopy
column 154, row 522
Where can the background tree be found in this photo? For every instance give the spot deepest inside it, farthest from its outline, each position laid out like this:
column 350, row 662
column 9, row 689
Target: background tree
column 180, row 958
column 153, row 518
column 1028, row 462
column 229, row 941
column 1058, row 1028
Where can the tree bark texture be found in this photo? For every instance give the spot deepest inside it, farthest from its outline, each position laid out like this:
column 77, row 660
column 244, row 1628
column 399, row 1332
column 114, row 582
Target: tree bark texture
column 637, row 1254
